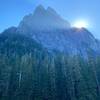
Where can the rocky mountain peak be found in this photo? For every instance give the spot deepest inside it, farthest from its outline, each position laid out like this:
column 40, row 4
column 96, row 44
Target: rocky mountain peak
column 40, row 7
column 48, row 28
column 40, row 10
column 42, row 19
column 52, row 11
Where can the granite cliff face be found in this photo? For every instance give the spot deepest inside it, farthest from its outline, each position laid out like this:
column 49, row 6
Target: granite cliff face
column 42, row 19
column 47, row 28
column 53, row 32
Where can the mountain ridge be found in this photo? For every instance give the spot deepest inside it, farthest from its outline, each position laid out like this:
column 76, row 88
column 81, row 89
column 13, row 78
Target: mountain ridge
column 48, row 64
column 47, row 27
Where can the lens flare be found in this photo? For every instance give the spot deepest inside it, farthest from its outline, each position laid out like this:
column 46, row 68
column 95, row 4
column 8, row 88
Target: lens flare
column 80, row 24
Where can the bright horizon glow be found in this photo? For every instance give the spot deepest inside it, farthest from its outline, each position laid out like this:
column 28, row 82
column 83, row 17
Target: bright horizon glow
column 80, row 24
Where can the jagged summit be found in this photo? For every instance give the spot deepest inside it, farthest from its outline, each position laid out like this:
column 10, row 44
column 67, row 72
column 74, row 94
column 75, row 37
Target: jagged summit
column 39, row 10
column 46, row 27
column 52, row 11
column 40, row 7
column 42, row 19
column 49, row 11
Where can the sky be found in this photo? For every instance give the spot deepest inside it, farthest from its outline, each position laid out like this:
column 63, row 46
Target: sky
column 12, row 12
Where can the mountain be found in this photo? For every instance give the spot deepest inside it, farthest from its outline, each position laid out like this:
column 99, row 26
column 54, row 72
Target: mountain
column 43, row 59
column 12, row 44
column 42, row 19
column 29, row 72
column 47, row 28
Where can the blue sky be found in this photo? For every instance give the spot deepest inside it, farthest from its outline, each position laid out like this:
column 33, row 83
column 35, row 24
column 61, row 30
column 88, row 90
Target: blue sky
column 12, row 11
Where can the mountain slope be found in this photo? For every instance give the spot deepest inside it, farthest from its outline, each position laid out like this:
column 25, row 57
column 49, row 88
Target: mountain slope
column 42, row 19
column 54, row 33
column 29, row 72
column 12, row 43
column 43, row 59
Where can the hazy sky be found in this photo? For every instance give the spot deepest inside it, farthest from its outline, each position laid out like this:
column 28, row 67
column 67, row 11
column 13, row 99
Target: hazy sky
column 12, row 11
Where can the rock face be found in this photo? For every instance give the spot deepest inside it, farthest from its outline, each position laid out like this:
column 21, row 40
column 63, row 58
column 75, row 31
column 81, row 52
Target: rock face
column 42, row 19
column 71, row 41
column 53, row 32
column 46, row 27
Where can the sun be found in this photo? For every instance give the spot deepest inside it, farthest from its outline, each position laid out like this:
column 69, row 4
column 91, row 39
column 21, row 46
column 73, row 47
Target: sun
column 80, row 24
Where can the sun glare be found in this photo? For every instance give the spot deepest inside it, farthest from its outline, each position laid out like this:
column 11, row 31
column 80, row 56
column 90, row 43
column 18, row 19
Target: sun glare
column 80, row 24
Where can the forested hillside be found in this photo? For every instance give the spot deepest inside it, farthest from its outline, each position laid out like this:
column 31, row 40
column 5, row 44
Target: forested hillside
column 29, row 72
